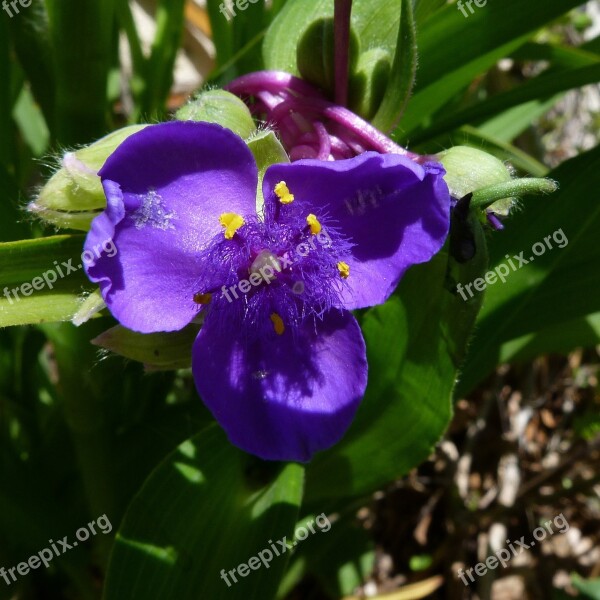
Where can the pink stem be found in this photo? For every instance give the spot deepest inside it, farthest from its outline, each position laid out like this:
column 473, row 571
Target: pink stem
column 341, row 28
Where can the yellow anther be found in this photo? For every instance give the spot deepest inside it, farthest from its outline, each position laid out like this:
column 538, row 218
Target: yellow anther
column 313, row 222
column 344, row 269
column 278, row 324
column 283, row 193
column 202, row 298
column 232, row 222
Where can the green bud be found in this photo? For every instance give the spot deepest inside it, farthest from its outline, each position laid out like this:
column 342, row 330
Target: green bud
column 221, row 107
column 494, row 190
column 469, row 169
column 74, row 194
column 315, row 54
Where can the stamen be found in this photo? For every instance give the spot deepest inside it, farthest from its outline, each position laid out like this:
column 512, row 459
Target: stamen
column 313, row 222
column 278, row 324
column 283, row 193
column 232, row 222
column 202, row 298
column 344, row 269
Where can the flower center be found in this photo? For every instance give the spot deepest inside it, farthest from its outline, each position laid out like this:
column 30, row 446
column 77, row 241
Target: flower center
column 277, row 271
column 265, row 259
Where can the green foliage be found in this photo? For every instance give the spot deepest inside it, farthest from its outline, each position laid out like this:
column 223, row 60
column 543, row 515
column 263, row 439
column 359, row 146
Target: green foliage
column 193, row 518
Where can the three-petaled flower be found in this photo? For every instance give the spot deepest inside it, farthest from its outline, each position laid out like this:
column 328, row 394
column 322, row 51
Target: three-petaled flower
column 283, row 366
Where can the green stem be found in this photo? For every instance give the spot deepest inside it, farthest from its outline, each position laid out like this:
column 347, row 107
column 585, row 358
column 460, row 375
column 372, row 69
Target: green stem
column 517, row 187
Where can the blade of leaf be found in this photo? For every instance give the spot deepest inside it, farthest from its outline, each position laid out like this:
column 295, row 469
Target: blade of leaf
column 428, row 101
column 222, row 32
column 81, row 77
column 25, row 263
column 446, row 68
column 167, row 547
column 6, row 127
column 559, row 56
column 487, row 29
column 424, row 9
column 538, row 88
column 404, row 69
column 509, row 124
column 561, row 338
column 159, row 70
column 31, row 39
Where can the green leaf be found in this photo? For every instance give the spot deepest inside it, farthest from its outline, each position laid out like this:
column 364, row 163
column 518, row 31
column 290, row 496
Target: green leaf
column 222, row 32
column 559, row 56
column 447, row 67
column 510, row 123
column 158, row 72
column 561, row 338
column 342, row 558
column 81, row 75
column 538, row 88
column 415, row 343
column 31, row 39
column 6, row 127
column 31, row 123
column 429, row 100
column 559, row 286
column 35, row 282
column 487, row 29
column 590, row 588
column 248, row 25
column 424, row 9
column 208, row 507
column 404, row 69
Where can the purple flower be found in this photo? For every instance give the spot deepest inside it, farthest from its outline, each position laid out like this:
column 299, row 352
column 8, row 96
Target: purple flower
column 280, row 360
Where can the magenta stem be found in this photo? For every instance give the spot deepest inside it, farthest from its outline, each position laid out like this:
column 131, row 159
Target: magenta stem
column 295, row 107
column 341, row 32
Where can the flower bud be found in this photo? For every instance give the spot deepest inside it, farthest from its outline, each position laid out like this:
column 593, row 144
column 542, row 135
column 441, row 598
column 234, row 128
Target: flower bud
column 469, row 169
column 74, row 194
column 221, row 107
